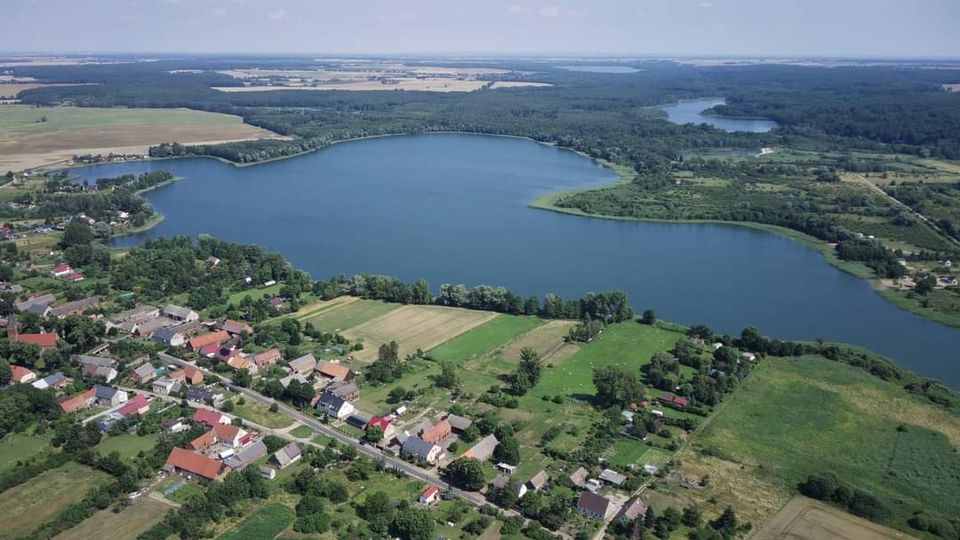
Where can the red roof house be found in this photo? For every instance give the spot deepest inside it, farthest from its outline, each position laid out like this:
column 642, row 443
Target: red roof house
column 430, row 495
column 137, row 405
column 20, row 374
column 199, row 342
column 78, row 401
column 187, row 461
column 44, row 341
column 208, row 417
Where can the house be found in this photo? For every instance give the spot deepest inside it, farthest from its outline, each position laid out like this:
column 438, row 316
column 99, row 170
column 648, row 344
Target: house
column 236, row 327
column 181, row 460
column 212, row 350
column 138, row 405
column 143, row 373
column 109, row 396
column 188, row 329
column 612, row 477
column 169, row 337
column 506, row 468
column 430, row 495
column 74, row 277
column 303, row 365
column 239, row 363
column 147, row 328
column 385, row 425
column 579, row 477
column 247, row 456
column 483, row 449
column 61, row 270
column 358, row 419
column 346, row 390
column 593, row 505
column 458, row 424
column 228, row 435
column 165, row 386
column 334, row 406
column 86, row 360
column 42, row 301
column 55, row 381
column 538, row 481
column 218, row 337
column 181, row 314
column 635, row 508
column 209, row 418
column 277, row 302
column 288, row 455
column 174, row 425
column 267, row 358
column 678, row 402
column 205, row 396
column 421, row 449
column 98, row 372
column 44, row 341
column 77, row 402
column 437, row 433
column 189, row 375
column 285, row 381
column 73, row 308
column 335, row 371
column 268, row 472
column 20, row 374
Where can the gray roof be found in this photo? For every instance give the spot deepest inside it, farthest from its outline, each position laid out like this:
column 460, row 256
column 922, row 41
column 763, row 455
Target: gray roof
column 37, row 309
column 78, row 305
column 170, row 422
column 56, row 378
column 331, row 401
column 484, row 449
column 415, row 446
column 342, row 389
column 593, row 503
column 304, row 363
column 165, row 334
column 539, row 480
column 458, row 423
column 105, row 392
column 200, row 394
column 145, row 370
column 178, row 311
column 612, row 476
column 247, row 455
column 42, row 300
column 95, row 360
column 288, row 453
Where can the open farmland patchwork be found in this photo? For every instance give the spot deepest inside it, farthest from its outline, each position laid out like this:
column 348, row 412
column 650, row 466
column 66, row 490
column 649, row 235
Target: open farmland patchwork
column 414, row 328
column 42, row 497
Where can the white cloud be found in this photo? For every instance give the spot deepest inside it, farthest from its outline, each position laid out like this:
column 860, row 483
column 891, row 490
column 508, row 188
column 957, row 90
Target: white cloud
column 279, row 15
column 705, row 4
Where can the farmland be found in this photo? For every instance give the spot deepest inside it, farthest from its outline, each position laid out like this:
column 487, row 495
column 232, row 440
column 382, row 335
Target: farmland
column 335, row 316
column 40, row 498
column 18, row 447
column 267, row 522
column 797, row 417
column 414, row 328
column 124, row 525
column 807, row 519
column 29, row 138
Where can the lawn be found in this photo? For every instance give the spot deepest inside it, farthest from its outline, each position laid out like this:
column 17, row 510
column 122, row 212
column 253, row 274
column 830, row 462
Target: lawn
column 485, row 338
column 264, row 524
column 255, row 294
column 629, row 345
column 124, row 525
column 19, row 447
column 349, row 314
column 128, row 445
column 628, row 452
column 801, row 416
column 303, row 431
column 42, row 497
column 260, row 414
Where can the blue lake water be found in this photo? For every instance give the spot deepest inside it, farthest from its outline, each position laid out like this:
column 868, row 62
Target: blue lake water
column 452, row 209
column 691, row 112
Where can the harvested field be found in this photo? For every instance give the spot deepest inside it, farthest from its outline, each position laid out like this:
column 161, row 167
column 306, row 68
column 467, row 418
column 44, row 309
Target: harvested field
column 414, row 327
column 43, row 496
column 124, row 525
column 12, row 90
column 27, row 141
column 348, row 314
column 804, row 518
column 307, row 311
column 547, row 339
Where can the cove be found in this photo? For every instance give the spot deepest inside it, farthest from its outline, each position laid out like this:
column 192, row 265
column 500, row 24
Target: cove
column 453, row 209
column 691, row 112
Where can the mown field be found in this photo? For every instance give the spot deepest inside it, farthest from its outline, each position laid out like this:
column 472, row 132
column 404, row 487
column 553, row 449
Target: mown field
column 126, row 444
column 339, row 315
column 16, row 447
column 42, row 497
column 807, row 519
column 30, row 137
column 796, row 417
column 261, row 415
column 124, row 525
column 266, row 523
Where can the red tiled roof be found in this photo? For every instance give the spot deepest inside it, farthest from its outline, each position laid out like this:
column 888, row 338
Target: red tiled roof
column 213, row 337
column 134, row 405
column 193, row 463
column 429, row 492
column 436, row 433
column 208, row 417
column 334, row 370
column 43, row 340
column 379, row 421
column 78, row 401
column 62, row 267
column 269, row 356
column 17, row 373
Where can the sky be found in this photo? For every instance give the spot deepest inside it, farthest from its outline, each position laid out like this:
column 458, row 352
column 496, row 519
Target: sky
column 861, row 28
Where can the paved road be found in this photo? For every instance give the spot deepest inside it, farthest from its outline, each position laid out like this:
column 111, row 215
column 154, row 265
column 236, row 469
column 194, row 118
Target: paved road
column 410, row 470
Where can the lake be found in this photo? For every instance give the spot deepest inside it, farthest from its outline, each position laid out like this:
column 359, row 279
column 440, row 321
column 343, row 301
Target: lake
column 691, row 112
column 452, row 209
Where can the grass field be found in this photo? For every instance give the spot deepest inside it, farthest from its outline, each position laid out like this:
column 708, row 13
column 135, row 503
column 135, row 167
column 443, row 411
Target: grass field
column 796, row 417
column 807, row 519
column 628, row 344
column 414, row 327
column 259, row 414
column 303, row 431
column 339, row 316
column 19, row 447
column 124, row 525
column 26, row 141
column 485, row 338
column 255, row 294
column 43, row 496
column 128, row 445
column 264, row 524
